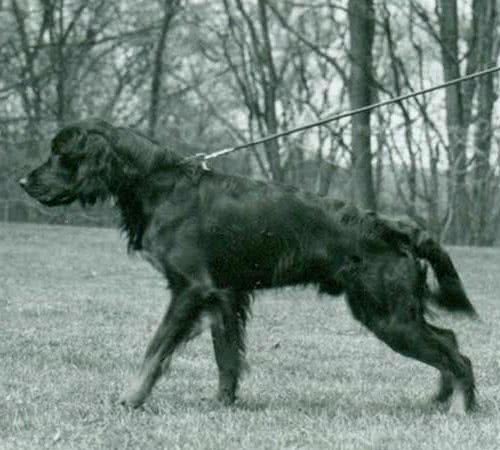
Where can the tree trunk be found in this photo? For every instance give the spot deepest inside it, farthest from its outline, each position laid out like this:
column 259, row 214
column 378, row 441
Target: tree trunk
column 361, row 28
column 484, row 13
column 433, row 222
column 325, row 176
column 270, row 86
column 448, row 23
column 170, row 9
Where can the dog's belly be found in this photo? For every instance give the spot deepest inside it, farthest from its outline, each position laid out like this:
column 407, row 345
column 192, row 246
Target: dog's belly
column 271, row 245
column 249, row 267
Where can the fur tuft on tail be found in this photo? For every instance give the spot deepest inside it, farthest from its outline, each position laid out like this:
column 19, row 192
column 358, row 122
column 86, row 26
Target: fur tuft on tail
column 451, row 296
column 451, row 293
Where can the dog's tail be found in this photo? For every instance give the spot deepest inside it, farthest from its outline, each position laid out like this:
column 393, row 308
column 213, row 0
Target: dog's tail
column 451, row 293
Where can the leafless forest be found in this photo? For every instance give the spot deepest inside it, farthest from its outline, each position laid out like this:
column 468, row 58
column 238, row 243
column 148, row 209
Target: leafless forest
column 201, row 75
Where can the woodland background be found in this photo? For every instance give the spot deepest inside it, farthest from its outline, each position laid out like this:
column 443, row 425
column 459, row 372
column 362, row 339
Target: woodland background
column 200, row 75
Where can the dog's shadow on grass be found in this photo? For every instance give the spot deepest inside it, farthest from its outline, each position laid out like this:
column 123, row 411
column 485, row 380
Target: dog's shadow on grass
column 352, row 407
column 304, row 405
column 334, row 407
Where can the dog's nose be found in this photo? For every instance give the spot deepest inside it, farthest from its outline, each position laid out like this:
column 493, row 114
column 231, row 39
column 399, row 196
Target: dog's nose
column 23, row 181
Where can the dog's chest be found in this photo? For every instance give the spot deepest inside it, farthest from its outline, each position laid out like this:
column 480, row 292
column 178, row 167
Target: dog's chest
column 152, row 259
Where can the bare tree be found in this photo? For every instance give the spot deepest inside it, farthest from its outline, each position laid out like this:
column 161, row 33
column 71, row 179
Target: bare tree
column 361, row 29
column 249, row 53
column 484, row 32
column 170, row 9
column 455, row 120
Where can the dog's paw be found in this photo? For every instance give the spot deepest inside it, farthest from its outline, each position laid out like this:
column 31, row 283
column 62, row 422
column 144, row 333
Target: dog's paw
column 462, row 402
column 133, row 399
column 445, row 391
column 226, row 398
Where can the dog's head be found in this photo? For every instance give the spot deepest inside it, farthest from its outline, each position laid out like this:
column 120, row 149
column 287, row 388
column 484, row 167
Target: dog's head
column 88, row 161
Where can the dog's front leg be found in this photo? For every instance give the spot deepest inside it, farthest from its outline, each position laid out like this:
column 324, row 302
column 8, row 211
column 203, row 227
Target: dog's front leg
column 228, row 335
column 175, row 328
column 150, row 369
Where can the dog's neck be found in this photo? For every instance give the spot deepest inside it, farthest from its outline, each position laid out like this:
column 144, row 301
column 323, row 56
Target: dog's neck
column 138, row 198
column 131, row 207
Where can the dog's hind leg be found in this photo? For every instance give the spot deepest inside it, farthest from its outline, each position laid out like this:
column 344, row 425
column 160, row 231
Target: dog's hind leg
column 228, row 336
column 177, row 326
column 415, row 340
column 446, row 379
column 386, row 296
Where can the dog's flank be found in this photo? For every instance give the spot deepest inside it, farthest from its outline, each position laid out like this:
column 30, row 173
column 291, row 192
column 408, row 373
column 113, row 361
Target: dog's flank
column 217, row 238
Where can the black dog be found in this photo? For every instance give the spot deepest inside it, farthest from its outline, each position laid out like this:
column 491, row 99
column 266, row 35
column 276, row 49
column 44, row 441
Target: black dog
column 217, row 238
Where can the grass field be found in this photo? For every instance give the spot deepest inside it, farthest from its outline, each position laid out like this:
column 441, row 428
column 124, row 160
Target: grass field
column 76, row 314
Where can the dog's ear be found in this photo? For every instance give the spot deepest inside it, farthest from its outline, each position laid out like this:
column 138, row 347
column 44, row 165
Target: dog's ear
column 99, row 159
column 95, row 172
column 101, row 170
column 70, row 140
